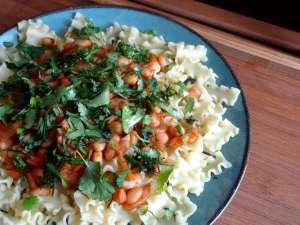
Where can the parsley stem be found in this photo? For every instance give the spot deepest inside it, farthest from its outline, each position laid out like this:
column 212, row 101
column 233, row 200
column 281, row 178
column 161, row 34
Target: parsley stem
column 13, row 150
column 85, row 162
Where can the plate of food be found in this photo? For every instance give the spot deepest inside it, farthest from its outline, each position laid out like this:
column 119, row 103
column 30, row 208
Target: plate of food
column 113, row 115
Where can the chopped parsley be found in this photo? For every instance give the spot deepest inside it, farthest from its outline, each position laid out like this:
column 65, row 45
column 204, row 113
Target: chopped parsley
column 146, row 161
column 30, row 203
column 19, row 163
column 132, row 52
column 130, row 118
column 162, row 179
column 4, row 111
column 189, row 105
column 94, row 184
column 121, row 177
column 150, row 32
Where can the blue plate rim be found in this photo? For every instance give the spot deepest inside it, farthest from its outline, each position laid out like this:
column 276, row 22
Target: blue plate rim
column 244, row 164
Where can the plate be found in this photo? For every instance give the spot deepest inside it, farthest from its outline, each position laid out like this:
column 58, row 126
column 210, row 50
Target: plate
column 218, row 192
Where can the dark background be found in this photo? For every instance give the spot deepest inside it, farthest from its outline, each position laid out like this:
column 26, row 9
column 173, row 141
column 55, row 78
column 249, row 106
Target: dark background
column 284, row 13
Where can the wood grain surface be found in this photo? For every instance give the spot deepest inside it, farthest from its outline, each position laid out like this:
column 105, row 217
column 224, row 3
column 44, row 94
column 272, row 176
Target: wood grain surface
column 270, row 191
column 231, row 22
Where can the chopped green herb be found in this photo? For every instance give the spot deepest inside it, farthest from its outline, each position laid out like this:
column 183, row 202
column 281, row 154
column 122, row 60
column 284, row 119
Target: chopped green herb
column 66, row 93
column 170, row 110
column 54, row 67
column 19, row 163
column 21, row 134
column 162, row 179
column 100, row 100
column 94, row 184
column 140, row 84
column 83, row 111
column 30, row 118
column 147, row 119
column 137, row 70
column 86, row 31
column 150, row 31
column 180, row 129
column 169, row 67
column 45, row 124
column 145, row 132
column 29, row 51
column 132, row 52
column 146, row 161
column 30, row 203
column 190, row 102
column 4, row 109
column 53, row 170
column 143, row 210
column 129, row 119
column 121, row 177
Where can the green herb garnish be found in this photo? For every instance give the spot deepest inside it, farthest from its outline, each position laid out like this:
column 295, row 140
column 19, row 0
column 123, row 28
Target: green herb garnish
column 94, row 184
column 19, row 163
column 150, row 31
column 4, row 110
column 162, row 179
column 30, row 203
column 146, row 161
column 129, row 118
column 189, row 104
column 121, row 177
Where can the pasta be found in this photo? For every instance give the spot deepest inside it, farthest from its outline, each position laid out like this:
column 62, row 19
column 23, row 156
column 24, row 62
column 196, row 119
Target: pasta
column 193, row 163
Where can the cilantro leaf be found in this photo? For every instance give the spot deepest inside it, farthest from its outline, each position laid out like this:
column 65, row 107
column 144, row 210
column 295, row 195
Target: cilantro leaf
column 31, row 86
column 54, row 67
column 162, row 179
column 169, row 67
column 45, row 123
column 53, row 170
column 145, row 131
column 189, row 104
column 93, row 133
column 94, row 184
column 140, row 84
column 170, row 110
column 150, row 32
column 48, row 100
column 100, row 100
column 86, row 31
column 121, row 177
column 30, row 118
column 29, row 50
column 30, row 203
column 146, row 161
column 137, row 70
column 83, row 111
column 132, row 52
column 19, row 163
column 66, row 93
column 4, row 109
column 129, row 119
column 119, row 81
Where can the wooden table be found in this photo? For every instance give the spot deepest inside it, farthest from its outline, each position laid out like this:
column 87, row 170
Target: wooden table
column 270, row 191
